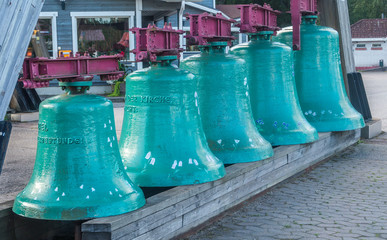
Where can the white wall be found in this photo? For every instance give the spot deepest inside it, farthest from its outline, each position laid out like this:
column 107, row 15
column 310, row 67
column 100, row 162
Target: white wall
column 368, row 57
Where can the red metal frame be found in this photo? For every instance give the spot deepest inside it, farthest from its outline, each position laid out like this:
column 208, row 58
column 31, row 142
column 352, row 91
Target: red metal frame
column 299, row 8
column 37, row 72
column 207, row 28
column 153, row 41
column 257, row 18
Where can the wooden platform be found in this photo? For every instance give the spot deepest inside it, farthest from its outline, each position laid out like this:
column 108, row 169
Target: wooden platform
column 173, row 212
column 180, row 209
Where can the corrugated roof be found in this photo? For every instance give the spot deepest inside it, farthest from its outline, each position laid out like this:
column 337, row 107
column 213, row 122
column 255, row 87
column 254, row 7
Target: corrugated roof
column 230, row 10
column 369, row 28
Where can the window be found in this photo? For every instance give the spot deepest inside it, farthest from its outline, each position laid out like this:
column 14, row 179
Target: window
column 103, row 33
column 361, row 47
column 103, row 36
column 44, row 38
column 376, row 46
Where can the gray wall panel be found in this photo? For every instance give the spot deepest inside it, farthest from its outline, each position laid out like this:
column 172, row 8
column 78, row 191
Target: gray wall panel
column 64, row 18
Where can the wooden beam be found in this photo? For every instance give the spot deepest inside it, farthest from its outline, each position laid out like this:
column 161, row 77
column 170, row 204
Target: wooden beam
column 18, row 19
column 334, row 14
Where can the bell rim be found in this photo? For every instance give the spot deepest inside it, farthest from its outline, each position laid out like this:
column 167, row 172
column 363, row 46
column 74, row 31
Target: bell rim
column 139, row 202
column 221, row 172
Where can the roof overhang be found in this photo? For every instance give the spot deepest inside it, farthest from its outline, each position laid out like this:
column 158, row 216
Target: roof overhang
column 206, row 9
column 354, row 40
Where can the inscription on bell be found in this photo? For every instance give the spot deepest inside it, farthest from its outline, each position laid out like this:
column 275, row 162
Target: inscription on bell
column 152, row 99
column 42, row 126
column 131, row 109
column 60, row 140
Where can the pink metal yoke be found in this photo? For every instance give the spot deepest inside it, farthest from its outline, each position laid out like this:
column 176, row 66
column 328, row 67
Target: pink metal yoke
column 299, row 8
column 37, row 72
column 257, row 18
column 153, row 41
column 207, row 28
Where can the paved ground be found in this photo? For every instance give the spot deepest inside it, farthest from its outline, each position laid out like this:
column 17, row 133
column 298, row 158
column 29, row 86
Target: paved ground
column 344, row 198
column 375, row 84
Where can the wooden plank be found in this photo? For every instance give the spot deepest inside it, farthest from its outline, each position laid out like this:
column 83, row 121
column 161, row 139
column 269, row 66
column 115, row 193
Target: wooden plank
column 161, row 232
column 241, row 182
column 6, row 208
column 163, row 200
column 18, row 18
column 334, row 14
column 235, row 180
column 176, row 195
column 260, row 184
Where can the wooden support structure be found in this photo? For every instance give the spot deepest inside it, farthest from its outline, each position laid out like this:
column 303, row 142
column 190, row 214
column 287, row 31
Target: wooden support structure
column 171, row 213
column 18, row 19
column 334, row 14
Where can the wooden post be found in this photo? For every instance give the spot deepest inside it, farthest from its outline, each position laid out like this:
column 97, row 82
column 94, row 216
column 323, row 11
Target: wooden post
column 334, row 14
column 18, row 19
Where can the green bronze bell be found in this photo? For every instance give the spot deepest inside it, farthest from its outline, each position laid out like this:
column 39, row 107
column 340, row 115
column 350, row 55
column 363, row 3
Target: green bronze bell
column 162, row 140
column 224, row 105
column 78, row 172
column 274, row 101
column 319, row 78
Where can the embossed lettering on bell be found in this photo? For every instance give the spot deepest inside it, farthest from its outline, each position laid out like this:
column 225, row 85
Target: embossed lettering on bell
column 78, row 172
column 162, row 141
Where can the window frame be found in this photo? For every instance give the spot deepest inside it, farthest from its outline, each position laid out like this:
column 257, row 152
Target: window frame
column 379, row 47
column 108, row 14
column 52, row 16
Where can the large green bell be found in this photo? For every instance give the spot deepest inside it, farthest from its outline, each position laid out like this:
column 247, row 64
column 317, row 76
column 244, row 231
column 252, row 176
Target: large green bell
column 225, row 105
column 78, row 172
column 274, row 101
column 162, row 140
column 319, row 78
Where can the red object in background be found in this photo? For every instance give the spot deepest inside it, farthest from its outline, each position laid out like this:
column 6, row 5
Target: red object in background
column 124, row 40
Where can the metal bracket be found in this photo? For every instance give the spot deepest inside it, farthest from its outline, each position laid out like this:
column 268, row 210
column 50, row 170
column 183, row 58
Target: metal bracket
column 207, row 28
column 37, row 72
column 257, row 18
column 152, row 42
column 299, row 8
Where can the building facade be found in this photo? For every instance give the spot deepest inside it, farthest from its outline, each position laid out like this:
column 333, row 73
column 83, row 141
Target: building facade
column 369, row 40
column 97, row 26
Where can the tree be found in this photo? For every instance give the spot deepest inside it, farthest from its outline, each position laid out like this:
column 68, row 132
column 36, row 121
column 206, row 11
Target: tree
column 358, row 9
column 363, row 9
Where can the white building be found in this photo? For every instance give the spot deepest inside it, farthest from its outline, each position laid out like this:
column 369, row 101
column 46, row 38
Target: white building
column 369, row 39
